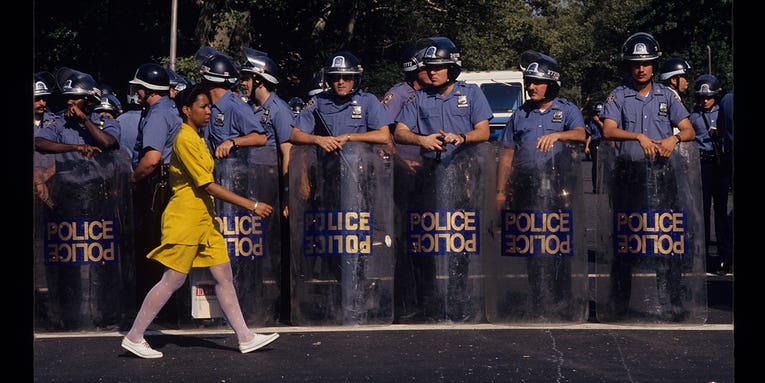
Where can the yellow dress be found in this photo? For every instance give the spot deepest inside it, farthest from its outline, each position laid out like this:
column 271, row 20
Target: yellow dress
column 190, row 237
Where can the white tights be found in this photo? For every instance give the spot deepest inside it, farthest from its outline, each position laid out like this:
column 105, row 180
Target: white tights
column 171, row 281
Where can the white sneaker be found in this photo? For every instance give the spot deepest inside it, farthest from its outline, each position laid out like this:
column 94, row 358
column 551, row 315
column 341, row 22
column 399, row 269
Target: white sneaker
column 141, row 349
column 260, row 341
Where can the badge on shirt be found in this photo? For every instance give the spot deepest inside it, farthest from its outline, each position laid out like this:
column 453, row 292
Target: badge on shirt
column 558, row 116
column 219, row 119
column 356, row 112
column 264, row 118
column 462, row 102
column 663, row 109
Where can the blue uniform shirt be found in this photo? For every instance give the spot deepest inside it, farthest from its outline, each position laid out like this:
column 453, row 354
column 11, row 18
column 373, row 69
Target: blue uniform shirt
column 158, row 130
column 593, row 129
column 231, row 117
column 395, row 98
column 458, row 112
column 129, row 129
column 703, row 138
column 527, row 124
column 361, row 113
column 725, row 124
column 44, row 160
column 653, row 115
column 275, row 115
column 71, row 131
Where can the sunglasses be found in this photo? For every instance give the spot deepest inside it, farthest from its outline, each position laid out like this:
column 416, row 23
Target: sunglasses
column 337, row 77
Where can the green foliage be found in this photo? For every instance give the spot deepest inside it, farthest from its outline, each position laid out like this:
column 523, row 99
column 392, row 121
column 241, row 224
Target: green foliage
column 112, row 39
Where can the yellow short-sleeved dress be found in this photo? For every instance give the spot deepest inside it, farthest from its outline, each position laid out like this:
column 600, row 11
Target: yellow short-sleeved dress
column 190, row 237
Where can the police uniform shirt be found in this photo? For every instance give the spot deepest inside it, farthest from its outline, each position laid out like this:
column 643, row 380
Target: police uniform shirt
column 129, row 129
column 361, row 113
column 527, row 124
column 703, row 138
column 395, row 98
column 275, row 115
column 593, row 130
column 158, row 130
column 108, row 124
column 458, row 112
column 231, row 117
column 725, row 122
column 653, row 115
column 44, row 160
column 71, row 131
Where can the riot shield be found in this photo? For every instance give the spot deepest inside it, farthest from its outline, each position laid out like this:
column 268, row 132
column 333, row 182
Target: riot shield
column 254, row 243
column 444, row 213
column 650, row 249
column 539, row 273
column 84, row 236
column 341, row 220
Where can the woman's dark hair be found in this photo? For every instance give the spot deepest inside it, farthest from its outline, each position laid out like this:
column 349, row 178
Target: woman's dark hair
column 187, row 97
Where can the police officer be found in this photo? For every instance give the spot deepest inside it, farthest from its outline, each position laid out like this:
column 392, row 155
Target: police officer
column 639, row 115
column 715, row 180
column 350, row 113
column 675, row 73
column 80, row 189
column 128, row 120
column 446, row 112
column 260, row 76
column 594, row 130
column 415, row 78
column 232, row 123
column 532, row 145
column 44, row 89
column 177, row 82
column 151, row 157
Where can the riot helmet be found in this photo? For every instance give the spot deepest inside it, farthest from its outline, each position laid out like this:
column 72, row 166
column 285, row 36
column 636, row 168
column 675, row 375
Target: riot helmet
column 342, row 63
column 539, row 66
column 220, row 70
column 78, row 84
column 411, row 60
column 109, row 103
column 45, row 84
column 317, row 84
column 707, row 85
column 441, row 51
column 297, row 105
column 258, row 63
column 151, row 76
column 640, row 46
column 675, row 66
column 177, row 81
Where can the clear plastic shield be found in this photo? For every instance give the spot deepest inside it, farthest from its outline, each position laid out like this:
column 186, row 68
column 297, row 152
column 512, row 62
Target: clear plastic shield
column 84, row 245
column 650, row 249
column 254, row 243
column 341, row 220
column 539, row 273
column 443, row 217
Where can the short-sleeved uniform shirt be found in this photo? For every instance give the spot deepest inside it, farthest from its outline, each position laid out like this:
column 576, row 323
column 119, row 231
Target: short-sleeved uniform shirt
column 458, row 112
column 527, row 124
column 359, row 114
column 231, row 117
column 44, row 160
column 157, row 130
column 70, row 131
column 703, row 137
column 593, row 130
column 129, row 129
column 189, row 218
column 275, row 115
column 653, row 115
column 395, row 98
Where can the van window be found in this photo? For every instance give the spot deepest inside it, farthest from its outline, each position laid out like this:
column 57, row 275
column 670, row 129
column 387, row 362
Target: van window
column 503, row 97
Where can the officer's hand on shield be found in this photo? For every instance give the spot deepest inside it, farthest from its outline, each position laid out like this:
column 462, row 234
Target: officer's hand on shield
column 545, row 143
column 328, row 143
column 666, row 146
column 649, row 147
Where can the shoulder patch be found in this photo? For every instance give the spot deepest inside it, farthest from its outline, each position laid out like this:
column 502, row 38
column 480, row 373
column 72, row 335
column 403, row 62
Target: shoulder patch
column 676, row 97
column 611, row 98
column 411, row 98
column 310, row 103
column 387, row 98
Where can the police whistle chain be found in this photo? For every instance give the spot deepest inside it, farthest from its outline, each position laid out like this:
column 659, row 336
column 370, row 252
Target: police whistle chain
column 324, row 125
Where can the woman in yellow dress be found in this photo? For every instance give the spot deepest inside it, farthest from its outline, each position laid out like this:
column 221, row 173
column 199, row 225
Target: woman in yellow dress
column 190, row 237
